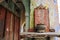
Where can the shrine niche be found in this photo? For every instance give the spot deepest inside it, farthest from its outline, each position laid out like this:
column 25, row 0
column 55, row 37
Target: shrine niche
column 41, row 15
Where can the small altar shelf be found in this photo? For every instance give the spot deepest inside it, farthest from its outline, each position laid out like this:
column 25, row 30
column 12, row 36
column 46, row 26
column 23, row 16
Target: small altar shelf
column 38, row 35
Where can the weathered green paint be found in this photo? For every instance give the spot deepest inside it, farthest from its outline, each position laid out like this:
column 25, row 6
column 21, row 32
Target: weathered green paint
column 27, row 12
column 11, row 5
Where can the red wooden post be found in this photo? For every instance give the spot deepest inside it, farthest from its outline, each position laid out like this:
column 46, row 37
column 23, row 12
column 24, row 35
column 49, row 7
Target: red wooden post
column 8, row 23
column 2, row 20
column 11, row 26
column 16, row 29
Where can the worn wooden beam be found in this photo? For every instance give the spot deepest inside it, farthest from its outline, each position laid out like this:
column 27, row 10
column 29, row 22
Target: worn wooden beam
column 34, row 34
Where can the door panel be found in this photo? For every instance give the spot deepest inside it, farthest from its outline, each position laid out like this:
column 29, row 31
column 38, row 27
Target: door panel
column 2, row 20
column 16, row 28
column 8, row 23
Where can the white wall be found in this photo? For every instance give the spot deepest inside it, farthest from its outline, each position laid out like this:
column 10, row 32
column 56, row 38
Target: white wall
column 59, row 9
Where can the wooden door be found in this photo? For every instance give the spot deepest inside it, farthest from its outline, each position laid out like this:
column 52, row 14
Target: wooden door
column 9, row 25
column 2, row 21
column 42, row 16
column 7, row 28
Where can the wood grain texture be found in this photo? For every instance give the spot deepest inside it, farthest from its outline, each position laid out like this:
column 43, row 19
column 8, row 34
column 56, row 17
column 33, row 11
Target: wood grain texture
column 8, row 23
column 11, row 26
column 2, row 20
column 16, row 28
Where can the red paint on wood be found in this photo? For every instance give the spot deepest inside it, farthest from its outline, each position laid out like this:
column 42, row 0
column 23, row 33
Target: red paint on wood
column 8, row 23
column 11, row 26
column 31, row 30
column 42, row 17
column 2, row 20
column 16, row 31
column 46, row 20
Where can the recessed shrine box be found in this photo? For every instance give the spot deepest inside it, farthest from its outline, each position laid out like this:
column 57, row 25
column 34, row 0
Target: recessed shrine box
column 41, row 15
